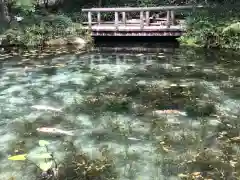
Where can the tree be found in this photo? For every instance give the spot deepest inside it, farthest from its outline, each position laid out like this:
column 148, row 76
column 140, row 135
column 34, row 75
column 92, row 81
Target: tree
column 4, row 16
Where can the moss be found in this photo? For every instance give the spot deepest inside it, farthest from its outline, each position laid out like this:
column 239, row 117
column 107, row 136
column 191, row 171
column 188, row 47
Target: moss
column 78, row 165
column 201, row 109
column 103, row 103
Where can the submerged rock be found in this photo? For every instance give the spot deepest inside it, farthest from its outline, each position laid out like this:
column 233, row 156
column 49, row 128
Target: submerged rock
column 235, row 27
column 56, row 42
column 79, row 42
column 76, row 41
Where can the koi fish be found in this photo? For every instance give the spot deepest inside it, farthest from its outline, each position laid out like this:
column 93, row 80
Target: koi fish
column 54, row 131
column 169, row 112
column 46, row 108
column 133, row 139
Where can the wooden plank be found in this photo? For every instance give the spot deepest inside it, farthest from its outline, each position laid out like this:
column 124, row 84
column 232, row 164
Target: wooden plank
column 116, row 20
column 89, row 19
column 130, row 23
column 172, row 17
column 135, row 28
column 139, row 34
column 141, row 20
column 124, row 17
column 168, row 19
column 99, row 18
column 138, row 9
column 147, row 18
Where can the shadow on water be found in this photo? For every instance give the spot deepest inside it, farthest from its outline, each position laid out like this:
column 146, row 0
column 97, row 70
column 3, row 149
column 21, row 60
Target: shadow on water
column 135, row 39
column 141, row 47
column 111, row 98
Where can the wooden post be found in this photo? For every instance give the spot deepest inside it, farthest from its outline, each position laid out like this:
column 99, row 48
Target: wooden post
column 141, row 20
column 172, row 17
column 124, row 17
column 98, row 18
column 168, row 19
column 116, row 20
column 147, row 18
column 90, row 19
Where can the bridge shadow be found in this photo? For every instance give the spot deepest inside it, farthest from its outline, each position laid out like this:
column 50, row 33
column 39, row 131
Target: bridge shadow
column 130, row 39
column 137, row 46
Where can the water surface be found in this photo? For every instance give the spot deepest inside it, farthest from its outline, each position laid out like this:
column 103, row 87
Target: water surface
column 108, row 98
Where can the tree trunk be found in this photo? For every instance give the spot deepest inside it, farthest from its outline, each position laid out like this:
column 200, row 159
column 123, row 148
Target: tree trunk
column 4, row 16
column 99, row 3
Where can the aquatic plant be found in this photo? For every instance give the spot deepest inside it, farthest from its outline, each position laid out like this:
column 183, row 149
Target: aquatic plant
column 45, row 160
column 101, row 103
column 75, row 165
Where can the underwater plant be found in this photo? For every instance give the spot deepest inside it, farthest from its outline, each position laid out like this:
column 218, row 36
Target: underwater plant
column 45, row 160
column 75, row 165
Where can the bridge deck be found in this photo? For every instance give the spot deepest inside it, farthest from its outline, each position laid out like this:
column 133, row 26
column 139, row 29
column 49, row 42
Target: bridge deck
column 134, row 28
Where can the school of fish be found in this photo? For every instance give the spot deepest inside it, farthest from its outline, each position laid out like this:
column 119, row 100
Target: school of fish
column 51, row 130
column 56, row 131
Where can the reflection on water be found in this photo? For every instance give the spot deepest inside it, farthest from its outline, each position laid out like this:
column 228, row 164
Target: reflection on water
column 108, row 99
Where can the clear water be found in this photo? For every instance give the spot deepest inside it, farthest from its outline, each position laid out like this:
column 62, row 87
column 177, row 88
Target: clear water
column 132, row 133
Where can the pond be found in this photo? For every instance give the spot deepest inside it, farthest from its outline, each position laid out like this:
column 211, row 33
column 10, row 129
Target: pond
column 109, row 105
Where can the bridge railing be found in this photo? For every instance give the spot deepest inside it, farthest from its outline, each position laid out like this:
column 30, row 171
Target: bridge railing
column 144, row 14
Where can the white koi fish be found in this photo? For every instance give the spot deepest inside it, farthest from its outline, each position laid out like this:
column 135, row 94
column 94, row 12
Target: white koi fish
column 46, row 108
column 55, row 131
column 169, row 112
column 133, row 139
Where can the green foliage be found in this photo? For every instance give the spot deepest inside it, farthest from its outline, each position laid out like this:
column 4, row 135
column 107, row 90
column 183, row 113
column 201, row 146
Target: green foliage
column 213, row 28
column 35, row 31
column 23, row 6
column 43, row 143
column 60, row 21
column 12, row 36
column 44, row 166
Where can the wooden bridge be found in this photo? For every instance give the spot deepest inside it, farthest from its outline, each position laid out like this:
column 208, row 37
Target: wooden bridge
column 150, row 21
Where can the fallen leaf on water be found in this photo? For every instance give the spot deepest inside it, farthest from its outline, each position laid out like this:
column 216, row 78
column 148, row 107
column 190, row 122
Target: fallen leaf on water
column 233, row 163
column 12, row 178
column 45, row 165
column 196, row 174
column 43, row 143
column 60, row 65
column 42, row 156
column 182, row 175
column 20, row 157
column 235, row 139
column 165, row 149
